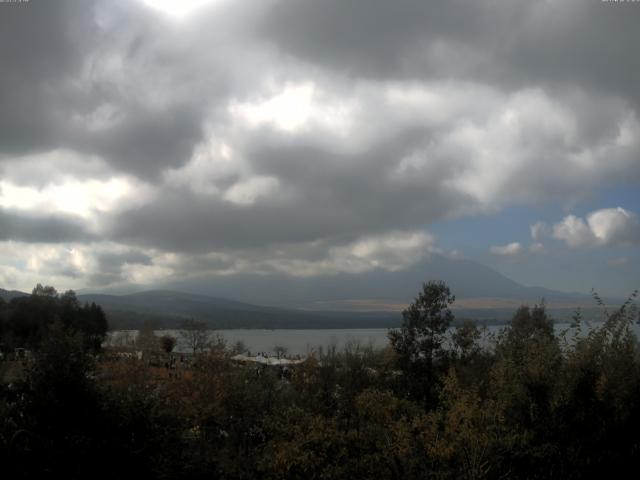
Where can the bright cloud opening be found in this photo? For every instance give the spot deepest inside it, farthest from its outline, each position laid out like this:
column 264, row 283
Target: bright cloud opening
column 177, row 8
column 296, row 107
column 77, row 197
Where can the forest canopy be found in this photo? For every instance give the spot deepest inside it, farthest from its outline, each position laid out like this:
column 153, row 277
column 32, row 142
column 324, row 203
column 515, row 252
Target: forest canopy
column 26, row 321
column 439, row 402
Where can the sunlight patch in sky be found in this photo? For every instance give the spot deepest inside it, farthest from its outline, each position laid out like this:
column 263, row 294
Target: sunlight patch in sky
column 296, row 107
column 76, row 197
column 178, row 8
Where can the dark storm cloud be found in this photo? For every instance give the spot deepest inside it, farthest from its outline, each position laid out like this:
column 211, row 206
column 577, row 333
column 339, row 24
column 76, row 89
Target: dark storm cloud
column 147, row 142
column 386, row 39
column 180, row 221
column 42, row 45
column 591, row 44
column 56, row 79
column 514, row 44
column 33, row 228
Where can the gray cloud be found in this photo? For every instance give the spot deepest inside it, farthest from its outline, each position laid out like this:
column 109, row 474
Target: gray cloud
column 42, row 47
column 408, row 38
column 510, row 43
column 114, row 260
column 88, row 77
column 402, row 114
column 109, row 268
column 147, row 141
column 322, row 196
column 584, row 43
column 34, row 228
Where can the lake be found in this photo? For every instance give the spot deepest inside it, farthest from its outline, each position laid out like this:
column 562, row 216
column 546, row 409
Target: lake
column 297, row 342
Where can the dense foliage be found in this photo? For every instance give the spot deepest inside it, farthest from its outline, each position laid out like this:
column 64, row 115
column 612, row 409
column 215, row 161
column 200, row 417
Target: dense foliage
column 439, row 403
column 25, row 322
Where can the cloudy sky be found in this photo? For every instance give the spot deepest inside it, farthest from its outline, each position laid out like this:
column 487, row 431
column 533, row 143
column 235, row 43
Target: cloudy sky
column 165, row 142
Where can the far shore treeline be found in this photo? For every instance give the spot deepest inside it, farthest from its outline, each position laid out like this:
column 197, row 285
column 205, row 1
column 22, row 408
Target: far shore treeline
column 167, row 309
column 438, row 402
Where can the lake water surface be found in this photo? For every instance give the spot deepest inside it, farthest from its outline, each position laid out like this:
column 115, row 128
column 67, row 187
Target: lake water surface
column 297, row 342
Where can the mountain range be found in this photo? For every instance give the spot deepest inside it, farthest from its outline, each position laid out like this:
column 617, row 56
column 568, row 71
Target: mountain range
column 339, row 301
column 467, row 280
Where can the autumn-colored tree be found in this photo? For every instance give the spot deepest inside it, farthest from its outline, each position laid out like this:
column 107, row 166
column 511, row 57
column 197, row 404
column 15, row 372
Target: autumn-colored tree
column 147, row 341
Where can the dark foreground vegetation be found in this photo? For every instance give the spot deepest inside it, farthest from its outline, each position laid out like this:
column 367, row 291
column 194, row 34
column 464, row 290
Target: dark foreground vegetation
column 529, row 403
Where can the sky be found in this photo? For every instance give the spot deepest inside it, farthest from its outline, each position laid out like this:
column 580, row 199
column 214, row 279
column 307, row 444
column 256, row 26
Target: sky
column 148, row 143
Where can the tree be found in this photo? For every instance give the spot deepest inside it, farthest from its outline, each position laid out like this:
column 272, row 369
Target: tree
column 91, row 321
column 525, row 379
column 147, row 340
column 465, row 339
column 239, row 347
column 466, row 433
column 530, row 325
column 195, row 334
column 280, row 350
column 61, row 408
column 44, row 291
column 419, row 341
column 29, row 317
column 3, row 320
column 168, row 343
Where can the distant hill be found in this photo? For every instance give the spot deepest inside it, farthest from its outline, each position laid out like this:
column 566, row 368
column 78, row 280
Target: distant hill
column 337, row 301
column 467, row 280
column 7, row 295
column 166, row 308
